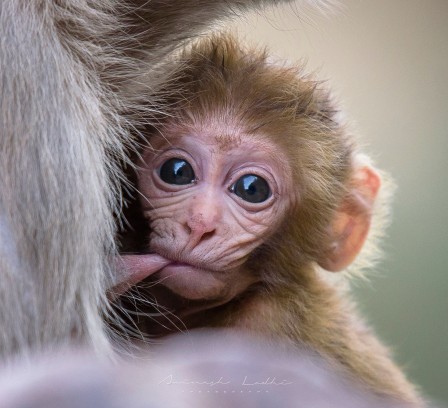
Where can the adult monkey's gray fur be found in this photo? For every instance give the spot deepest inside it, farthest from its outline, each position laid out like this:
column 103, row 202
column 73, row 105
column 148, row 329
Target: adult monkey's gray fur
column 63, row 66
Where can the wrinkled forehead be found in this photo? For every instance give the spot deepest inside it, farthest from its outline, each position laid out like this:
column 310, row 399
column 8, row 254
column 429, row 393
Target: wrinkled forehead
column 223, row 137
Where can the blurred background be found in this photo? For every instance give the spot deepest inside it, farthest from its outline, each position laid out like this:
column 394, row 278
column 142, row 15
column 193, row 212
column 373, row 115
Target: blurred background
column 387, row 61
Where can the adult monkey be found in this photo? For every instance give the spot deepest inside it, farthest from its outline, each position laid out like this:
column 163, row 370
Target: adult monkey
column 212, row 368
column 63, row 65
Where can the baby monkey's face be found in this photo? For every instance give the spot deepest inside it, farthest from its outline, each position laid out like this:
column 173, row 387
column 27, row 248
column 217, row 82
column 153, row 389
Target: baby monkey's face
column 211, row 197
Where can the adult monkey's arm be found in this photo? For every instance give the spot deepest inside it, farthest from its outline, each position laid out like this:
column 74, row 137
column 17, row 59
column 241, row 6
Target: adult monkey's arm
column 169, row 22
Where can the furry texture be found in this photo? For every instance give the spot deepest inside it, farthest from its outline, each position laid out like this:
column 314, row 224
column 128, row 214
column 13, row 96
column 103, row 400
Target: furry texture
column 218, row 81
column 63, row 136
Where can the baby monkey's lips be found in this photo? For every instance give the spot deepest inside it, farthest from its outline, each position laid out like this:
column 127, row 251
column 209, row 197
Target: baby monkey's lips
column 186, row 270
column 188, row 261
column 189, row 264
column 175, row 263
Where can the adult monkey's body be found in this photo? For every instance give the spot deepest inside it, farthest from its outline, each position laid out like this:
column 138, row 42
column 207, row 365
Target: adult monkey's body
column 63, row 64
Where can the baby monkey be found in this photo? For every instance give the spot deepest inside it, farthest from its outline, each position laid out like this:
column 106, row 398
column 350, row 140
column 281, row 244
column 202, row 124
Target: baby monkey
column 252, row 189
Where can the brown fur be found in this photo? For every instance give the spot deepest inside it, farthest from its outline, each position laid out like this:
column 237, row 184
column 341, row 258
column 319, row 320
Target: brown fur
column 220, row 81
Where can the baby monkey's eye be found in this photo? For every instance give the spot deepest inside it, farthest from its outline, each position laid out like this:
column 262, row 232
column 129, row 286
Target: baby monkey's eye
column 251, row 188
column 177, row 171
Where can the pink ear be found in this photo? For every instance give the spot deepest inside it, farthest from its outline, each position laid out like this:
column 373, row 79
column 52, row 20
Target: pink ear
column 351, row 225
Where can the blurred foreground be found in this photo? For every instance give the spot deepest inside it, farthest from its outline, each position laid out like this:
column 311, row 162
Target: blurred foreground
column 202, row 369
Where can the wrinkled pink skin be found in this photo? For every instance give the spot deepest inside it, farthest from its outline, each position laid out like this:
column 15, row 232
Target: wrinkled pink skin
column 202, row 231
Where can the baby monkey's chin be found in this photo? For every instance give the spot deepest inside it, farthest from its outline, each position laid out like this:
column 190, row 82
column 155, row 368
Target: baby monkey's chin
column 194, row 283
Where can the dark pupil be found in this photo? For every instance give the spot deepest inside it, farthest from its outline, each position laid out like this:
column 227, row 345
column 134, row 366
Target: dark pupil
column 177, row 171
column 252, row 188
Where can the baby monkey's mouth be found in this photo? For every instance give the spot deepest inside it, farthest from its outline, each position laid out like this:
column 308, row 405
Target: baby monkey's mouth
column 189, row 264
column 183, row 260
column 176, row 263
column 131, row 269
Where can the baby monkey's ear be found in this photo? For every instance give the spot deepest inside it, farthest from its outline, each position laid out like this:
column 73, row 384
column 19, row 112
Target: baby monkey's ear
column 350, row 226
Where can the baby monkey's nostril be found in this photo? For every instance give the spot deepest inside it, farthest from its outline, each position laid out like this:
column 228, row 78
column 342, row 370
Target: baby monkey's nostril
column 207, row 235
